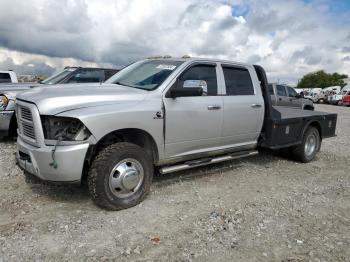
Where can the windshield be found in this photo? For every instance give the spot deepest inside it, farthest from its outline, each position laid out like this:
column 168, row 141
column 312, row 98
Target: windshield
column 147, row 75
column 56, row 78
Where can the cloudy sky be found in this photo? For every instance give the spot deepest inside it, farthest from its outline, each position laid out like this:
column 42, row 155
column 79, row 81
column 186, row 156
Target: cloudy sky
column 288, row 38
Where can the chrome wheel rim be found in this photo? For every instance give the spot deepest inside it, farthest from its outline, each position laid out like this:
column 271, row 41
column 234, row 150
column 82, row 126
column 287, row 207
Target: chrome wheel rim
column 310, row 144
column 126, row 178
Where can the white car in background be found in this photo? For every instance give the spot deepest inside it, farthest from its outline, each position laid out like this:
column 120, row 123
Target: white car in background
column 313, row 94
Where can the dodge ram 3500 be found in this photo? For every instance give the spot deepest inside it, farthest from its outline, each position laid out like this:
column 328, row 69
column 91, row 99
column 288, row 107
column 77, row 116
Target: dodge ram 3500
column 166, row 114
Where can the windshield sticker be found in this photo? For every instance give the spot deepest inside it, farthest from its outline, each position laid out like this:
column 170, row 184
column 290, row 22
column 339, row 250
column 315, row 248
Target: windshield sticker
column 166, row 67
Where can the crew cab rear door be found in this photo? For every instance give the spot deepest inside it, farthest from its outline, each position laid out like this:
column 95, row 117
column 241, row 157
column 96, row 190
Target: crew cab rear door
column 243, row 106
column 193, row 124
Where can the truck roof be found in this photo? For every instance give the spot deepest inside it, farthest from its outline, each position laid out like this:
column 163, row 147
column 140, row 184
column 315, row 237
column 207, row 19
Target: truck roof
column 194, row 59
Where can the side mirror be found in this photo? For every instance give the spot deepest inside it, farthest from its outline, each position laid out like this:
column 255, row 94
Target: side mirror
column 298, row 96
column 189, row 88
column 195, row 84
column 183, row 92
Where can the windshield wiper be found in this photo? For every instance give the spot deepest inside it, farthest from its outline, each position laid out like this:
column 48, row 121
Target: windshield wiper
column 137, row 87
column 122, row 84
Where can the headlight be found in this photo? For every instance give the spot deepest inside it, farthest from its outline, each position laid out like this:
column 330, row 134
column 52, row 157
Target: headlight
column 3, row 102
column 64, row 129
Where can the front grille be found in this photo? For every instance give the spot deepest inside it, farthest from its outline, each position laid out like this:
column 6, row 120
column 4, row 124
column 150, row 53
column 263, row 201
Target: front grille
column 28, row 130
column 26, row 114
column 26, row 126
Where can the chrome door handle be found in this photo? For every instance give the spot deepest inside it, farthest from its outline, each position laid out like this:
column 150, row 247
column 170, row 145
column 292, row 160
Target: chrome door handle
column 256, row 105
column 214, row 107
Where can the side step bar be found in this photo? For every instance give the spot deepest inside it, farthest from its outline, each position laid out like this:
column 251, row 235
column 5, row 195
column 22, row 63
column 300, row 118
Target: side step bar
column 204, row 161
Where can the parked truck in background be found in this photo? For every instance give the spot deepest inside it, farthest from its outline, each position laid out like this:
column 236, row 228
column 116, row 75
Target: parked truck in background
column 337, row 99
column 283, row 95
column 72, row 75
column 166, row 114
column 8, row 77
column 313, row 94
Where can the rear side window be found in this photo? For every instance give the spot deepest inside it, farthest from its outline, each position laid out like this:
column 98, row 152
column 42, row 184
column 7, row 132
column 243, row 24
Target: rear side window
column 88, row 76
column 5, row 78
column 271, row 89
column 281, row 90
column 201, row 72
column 237, row 81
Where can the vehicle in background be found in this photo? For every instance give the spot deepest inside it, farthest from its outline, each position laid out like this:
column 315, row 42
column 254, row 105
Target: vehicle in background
column 338, row 98
column 324, row 95
column 303, row 91
column 167, row 114
column 283, row 95
column 70, row 75
column 313, row 94
column 8, row 77
column 346, row 99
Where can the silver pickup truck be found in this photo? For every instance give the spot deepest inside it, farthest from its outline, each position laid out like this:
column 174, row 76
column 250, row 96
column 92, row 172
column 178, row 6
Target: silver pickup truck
column 166, row 114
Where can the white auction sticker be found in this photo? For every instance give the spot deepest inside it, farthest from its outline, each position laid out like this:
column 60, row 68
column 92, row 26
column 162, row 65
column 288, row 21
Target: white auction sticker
column 166, row 67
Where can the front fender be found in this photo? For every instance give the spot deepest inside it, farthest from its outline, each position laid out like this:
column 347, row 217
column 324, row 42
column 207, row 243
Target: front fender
column 107, row 119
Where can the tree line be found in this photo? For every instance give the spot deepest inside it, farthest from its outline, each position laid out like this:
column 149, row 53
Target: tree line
column 321, row 79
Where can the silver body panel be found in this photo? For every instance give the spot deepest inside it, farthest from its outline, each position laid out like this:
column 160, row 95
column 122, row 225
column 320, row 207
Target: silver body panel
column 188, row 127
column 5, row 120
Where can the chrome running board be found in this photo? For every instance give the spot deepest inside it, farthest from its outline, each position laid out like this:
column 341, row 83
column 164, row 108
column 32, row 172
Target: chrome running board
column 205, row 161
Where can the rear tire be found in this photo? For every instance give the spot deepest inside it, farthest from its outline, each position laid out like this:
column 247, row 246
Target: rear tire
column 311, row 144
column 120, row 176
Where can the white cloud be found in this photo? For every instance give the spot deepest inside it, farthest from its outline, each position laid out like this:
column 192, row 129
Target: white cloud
column 289, row 38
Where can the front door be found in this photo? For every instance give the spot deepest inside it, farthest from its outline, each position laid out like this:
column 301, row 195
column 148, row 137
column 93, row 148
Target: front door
column 193, row 124
column 294, row 100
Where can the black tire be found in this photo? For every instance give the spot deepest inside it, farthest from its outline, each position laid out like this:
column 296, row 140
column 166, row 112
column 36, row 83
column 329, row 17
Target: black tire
column 100, row 172
column 300, row 152
column 308, row 107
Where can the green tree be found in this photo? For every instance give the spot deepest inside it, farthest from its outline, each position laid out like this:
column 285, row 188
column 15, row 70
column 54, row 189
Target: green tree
column 321, row 79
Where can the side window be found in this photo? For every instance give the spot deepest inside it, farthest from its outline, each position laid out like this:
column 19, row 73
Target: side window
column 201, row 72
column 281, row 90
column 271, row 89
column 237, row 81
column 110, row 73
column 89, row 76
column 291, row 92
column 5, row 78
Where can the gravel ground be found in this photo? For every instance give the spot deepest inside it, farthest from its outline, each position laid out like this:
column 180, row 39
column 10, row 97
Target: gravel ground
column 265, row 208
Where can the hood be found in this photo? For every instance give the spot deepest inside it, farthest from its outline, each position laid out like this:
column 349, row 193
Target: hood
column 17, row 87
column 52, row 100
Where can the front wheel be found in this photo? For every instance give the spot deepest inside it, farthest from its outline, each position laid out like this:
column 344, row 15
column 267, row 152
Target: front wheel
column 311, row 144
column 120, row 176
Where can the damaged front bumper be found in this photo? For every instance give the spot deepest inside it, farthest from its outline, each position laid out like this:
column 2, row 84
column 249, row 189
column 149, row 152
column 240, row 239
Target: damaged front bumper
column 38, row 161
